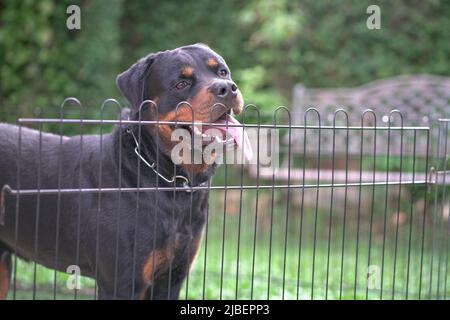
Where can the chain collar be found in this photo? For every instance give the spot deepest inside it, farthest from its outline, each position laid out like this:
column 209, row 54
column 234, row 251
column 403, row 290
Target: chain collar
column 185, row 181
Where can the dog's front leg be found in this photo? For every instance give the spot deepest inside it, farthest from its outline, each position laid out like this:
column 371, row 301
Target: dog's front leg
column 165, row 287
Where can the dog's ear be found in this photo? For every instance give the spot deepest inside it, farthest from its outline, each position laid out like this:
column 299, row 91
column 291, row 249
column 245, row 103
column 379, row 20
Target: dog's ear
column 131, row 82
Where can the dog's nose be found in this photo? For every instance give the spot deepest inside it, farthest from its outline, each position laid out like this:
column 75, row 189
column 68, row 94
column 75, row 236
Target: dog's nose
column 224, row 89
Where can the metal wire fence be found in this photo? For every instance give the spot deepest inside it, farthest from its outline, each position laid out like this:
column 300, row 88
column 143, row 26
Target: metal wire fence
column 341, row 211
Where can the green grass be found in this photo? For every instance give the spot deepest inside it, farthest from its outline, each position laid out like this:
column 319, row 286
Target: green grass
column 327, row 270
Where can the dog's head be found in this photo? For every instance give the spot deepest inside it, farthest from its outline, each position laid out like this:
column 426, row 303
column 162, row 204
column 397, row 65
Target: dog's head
column 188, row 84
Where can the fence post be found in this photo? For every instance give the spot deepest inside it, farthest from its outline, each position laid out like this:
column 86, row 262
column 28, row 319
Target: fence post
column 441, row 225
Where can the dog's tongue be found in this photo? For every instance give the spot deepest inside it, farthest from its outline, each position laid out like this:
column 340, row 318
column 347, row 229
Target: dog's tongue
column 238, row 133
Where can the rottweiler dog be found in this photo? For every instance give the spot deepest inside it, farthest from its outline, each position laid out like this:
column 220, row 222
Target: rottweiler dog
column 139, row 244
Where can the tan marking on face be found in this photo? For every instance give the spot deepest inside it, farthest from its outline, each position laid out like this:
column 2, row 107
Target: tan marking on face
column 239, row 105
column 212, row 63
column 203, row 109
column 199, row 111
column 202, row 105
column 187, row 72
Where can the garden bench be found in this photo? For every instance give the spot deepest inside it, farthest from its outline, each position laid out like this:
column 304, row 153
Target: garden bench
column 421, row 100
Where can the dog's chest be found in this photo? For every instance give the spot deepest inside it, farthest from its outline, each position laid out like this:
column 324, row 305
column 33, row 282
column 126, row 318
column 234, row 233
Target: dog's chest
column 179, row 241
column 187, row 226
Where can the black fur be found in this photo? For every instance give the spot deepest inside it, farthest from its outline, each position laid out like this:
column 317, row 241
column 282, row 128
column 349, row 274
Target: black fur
column 88, row 229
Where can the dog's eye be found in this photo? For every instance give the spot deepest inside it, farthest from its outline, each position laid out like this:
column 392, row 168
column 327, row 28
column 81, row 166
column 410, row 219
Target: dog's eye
column 182, row 84
column 223, row 72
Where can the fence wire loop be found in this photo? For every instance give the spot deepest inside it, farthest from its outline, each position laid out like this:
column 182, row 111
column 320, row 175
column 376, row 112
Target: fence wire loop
column 354, row 207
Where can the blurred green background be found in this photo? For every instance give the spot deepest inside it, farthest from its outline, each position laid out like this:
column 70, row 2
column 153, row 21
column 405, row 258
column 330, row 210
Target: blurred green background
column 269, row 45
column 285, row 250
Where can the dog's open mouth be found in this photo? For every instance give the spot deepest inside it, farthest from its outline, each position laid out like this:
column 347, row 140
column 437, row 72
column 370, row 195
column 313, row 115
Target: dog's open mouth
column 225, row 131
